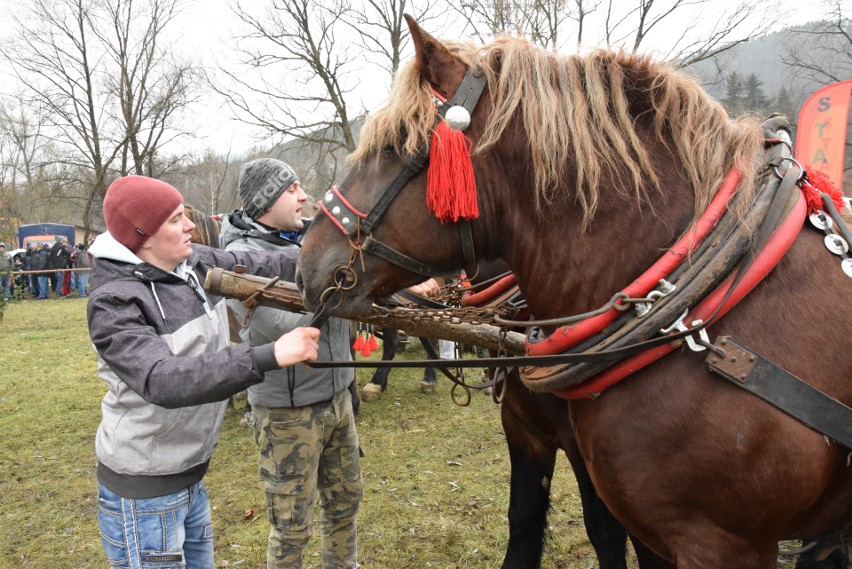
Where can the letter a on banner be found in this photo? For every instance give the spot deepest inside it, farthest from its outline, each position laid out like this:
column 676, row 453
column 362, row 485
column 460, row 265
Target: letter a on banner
column 821, row 133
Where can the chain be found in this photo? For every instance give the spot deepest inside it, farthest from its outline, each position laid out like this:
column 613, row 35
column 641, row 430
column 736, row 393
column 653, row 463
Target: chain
column 452, row 315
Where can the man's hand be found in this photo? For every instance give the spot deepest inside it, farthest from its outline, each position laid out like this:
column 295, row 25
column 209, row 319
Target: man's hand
column 427, row 288
column 298, row 345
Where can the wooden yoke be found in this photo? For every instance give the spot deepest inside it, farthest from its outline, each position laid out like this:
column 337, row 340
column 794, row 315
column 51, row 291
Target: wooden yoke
column 284, row 295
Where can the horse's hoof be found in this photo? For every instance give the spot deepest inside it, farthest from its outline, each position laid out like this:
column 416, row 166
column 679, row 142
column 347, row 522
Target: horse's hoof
column 371, row 392
column 427, row 387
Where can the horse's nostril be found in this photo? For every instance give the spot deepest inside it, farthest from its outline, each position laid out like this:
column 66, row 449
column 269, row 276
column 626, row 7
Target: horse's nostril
column 299, row 282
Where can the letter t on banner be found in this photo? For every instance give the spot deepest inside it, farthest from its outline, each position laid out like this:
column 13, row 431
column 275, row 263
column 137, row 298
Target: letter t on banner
column 821, row 133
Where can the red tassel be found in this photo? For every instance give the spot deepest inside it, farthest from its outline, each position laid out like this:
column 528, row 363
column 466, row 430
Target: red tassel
column 374, row 345
column 450, row 185
column 359, row 343
column 818, row 182
column 366, row 351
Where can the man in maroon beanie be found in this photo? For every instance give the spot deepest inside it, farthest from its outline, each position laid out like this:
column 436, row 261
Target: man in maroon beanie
column 163, row 350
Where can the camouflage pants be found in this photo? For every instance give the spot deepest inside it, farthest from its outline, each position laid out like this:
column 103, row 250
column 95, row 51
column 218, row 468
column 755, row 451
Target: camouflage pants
column 305, row 451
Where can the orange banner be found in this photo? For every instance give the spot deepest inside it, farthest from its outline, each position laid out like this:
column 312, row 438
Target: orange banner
column 821, row 132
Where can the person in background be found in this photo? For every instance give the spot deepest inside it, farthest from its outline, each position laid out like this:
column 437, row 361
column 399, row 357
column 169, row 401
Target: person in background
column 163, row 350
column 302, row 418
column 40, row 261
column 31, row 280
column 81, row 260
column 60, row 259
column 5, row 271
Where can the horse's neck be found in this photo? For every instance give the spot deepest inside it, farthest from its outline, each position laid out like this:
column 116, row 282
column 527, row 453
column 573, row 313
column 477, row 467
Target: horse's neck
column 551, row 254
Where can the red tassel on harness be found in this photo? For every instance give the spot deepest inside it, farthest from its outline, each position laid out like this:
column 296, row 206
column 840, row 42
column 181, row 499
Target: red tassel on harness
column 359, row 342
column 365, row 350
column 450, row 185
column 817, row 183
column 372, row 343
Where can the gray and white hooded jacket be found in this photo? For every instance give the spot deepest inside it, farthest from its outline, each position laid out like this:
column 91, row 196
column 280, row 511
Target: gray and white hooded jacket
column 295, row 386
column 163, row 350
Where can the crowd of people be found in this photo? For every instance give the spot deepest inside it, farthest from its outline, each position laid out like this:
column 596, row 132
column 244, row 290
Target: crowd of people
column 45, row 268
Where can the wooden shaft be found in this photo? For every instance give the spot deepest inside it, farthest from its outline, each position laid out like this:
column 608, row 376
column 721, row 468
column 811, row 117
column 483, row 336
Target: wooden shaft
column 284, row 295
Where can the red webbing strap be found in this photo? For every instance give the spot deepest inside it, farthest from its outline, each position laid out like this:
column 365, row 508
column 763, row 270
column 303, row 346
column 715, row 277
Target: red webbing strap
column 776, row 247
column 566, row 337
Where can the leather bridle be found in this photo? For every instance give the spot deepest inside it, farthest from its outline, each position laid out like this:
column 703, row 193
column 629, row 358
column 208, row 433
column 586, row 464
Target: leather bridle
column 358, row 226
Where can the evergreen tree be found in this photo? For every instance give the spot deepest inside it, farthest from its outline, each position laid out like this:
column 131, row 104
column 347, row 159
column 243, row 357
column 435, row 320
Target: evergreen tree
column 755, row 100
column 734, row 100
column 784, row 105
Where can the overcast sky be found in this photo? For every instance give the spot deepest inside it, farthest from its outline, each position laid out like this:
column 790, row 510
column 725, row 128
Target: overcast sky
column 204, row 30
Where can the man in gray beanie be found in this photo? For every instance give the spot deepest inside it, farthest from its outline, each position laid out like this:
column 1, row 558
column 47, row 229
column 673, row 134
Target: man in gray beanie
column 302, row 417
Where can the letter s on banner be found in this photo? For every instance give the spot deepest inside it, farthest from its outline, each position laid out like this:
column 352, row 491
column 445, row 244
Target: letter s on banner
column 821, row 133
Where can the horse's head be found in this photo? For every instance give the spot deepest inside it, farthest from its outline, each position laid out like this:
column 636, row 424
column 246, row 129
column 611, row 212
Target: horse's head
column 568, row 152
column 376, row 233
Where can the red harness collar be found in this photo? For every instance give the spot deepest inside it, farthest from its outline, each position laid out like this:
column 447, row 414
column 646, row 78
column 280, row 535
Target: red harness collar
column 778, row 244
column 568, row 336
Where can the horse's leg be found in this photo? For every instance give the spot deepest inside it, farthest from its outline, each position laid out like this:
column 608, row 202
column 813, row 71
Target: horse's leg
column 837, row 559
column 429, row 373
column 379, row 381
column 529, row 496
column 430, row 376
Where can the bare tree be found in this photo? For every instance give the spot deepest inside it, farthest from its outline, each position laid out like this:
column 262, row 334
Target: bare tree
column 822, row 51
column 381, row 30
column 688, row 30
column 297, row 70
column 149, row 85
column 206, row 179
column 694, row 30
column 487, row 18
column 301, row 62
column 102, row 89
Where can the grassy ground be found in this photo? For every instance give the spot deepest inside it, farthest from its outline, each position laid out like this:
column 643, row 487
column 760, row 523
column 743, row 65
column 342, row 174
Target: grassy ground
column 435, row 475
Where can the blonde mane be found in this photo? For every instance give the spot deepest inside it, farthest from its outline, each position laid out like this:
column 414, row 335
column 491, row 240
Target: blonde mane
column 578, row 109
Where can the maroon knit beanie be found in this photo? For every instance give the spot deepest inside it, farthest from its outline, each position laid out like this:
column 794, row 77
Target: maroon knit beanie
column 136, row 206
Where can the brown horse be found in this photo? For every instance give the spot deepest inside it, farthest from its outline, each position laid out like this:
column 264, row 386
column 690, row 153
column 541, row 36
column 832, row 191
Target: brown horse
column 587, row 168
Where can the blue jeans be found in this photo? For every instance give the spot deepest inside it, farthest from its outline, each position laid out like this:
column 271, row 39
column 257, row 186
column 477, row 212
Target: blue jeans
column 82, row 280
column 5, row 282
column 167, row 532
column 59, row 276
column 43, row 285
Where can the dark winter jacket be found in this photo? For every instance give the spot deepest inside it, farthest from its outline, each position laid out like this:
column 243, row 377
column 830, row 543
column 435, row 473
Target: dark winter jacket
column 60, row 257
column 40, row 259
column 163, row 350
column 299, row 385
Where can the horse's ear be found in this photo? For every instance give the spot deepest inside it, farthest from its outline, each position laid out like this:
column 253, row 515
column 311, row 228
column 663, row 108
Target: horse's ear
column 434, row 61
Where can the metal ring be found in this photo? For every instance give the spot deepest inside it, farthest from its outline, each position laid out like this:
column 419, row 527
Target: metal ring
column 345, row 271
column 796, row 163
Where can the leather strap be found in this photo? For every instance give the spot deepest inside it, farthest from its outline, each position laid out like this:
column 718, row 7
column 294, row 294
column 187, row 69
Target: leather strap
column 747, row 369
column 379, row 249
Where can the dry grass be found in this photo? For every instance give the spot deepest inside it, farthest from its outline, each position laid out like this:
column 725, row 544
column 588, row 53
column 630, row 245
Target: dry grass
column 435, row 475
